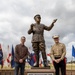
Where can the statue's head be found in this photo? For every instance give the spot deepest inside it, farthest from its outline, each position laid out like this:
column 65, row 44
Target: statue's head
column 37, row 18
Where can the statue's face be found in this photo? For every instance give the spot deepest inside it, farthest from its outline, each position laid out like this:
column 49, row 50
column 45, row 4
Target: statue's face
column 37, row 19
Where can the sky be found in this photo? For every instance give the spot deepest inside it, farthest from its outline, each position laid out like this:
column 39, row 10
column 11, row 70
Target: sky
column 16, row 16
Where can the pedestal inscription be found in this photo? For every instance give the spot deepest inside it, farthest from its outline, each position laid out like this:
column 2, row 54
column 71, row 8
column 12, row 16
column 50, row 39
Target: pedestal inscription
column 40, row 74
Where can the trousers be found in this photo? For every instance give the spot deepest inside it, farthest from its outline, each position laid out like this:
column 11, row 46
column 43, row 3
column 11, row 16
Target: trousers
column 37, row 47
column 19, row 66
column 61, row 66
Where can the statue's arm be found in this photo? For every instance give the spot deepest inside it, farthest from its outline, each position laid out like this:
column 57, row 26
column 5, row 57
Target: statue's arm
column 31, row 29
column 51, row 26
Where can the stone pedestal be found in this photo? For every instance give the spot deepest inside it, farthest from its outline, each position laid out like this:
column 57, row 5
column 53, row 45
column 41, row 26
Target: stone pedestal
column 40, row 67
column 40, row 71
column 37, row 71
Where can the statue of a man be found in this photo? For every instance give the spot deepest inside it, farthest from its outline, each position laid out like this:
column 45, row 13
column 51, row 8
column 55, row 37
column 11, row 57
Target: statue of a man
column 38, row 42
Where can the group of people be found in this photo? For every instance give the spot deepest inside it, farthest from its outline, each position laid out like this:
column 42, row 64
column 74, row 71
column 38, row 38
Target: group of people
column 58, row 50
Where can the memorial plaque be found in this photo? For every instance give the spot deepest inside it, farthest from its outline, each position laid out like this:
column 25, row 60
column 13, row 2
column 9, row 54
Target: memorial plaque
column 40, row 74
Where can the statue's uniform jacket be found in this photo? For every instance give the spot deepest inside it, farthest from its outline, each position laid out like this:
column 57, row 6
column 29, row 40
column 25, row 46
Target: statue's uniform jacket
column 38, row 32
column 38, row 42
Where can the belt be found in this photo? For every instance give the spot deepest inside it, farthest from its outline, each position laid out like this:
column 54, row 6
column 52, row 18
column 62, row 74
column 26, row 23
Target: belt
column 57, row 57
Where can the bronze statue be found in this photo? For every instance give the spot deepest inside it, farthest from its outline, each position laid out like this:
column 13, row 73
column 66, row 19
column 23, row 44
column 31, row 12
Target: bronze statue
column 38, row 42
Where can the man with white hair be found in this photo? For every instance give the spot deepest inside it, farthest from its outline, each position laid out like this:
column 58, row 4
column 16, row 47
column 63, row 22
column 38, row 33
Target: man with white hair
column 58, row 52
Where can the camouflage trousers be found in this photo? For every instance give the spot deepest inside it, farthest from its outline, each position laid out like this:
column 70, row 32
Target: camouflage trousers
column 37, row 47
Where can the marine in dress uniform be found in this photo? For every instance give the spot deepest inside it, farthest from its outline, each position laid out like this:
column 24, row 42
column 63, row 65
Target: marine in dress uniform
column 58, row 52
column 38, row 42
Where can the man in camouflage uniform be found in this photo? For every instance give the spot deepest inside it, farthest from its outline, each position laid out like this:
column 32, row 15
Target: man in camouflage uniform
column 38, row 42
column 58, row 52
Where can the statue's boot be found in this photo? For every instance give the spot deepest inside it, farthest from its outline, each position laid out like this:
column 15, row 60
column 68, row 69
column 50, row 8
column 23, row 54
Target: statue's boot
column 46, row 64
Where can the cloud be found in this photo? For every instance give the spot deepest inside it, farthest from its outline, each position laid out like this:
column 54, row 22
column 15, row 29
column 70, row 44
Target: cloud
column 16, row 16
